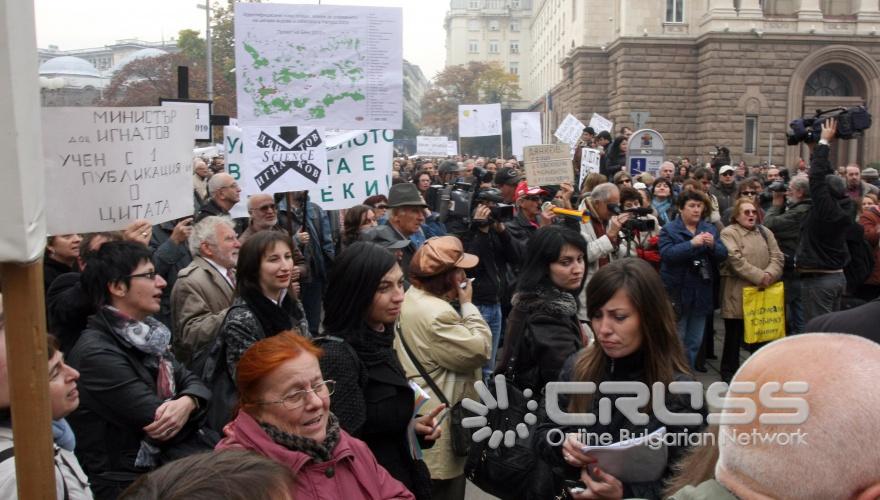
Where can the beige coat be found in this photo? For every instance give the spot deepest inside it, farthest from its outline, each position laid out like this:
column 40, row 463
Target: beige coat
column 452, row 348
column 749, row 256
column 199, row 302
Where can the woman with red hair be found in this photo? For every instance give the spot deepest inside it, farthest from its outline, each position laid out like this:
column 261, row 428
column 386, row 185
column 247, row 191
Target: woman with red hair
column 285, row 415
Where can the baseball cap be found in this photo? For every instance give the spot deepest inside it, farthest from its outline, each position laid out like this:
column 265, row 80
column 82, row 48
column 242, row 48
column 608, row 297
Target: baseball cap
column 523, row 189
column 507, row 175
column 725, row 169
column 440, row 254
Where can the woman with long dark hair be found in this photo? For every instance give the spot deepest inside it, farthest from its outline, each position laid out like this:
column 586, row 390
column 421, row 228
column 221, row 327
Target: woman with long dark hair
column 357, row 219
column 373, row 399
column 636, row 341
column 542, row 328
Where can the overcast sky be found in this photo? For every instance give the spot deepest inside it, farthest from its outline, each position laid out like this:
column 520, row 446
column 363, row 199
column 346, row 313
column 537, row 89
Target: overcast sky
column 80, row 24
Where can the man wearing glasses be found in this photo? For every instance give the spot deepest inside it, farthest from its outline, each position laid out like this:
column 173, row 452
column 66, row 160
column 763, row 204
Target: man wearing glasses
column 264, row 217
column 224, row 193
column 725, row 189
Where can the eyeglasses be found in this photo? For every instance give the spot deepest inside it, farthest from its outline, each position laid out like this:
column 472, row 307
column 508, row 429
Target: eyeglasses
column 266, row 208
column 149, row 275
column 381, row 207
column 748, row 193
column 727, row 173
column 298, row 398
column 750, row 212
column 532, row 198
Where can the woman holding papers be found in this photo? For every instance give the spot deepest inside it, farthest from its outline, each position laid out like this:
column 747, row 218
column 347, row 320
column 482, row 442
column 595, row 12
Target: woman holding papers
column 373, row 400
column 636, row 341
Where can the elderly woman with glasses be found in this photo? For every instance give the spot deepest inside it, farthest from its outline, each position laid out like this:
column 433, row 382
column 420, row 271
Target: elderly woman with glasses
column 139, row 407
column 754, row 259
column 749, row 188
column 285, row 416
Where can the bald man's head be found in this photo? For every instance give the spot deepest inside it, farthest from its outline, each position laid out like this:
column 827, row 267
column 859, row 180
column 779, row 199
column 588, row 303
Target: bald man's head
column 834, row 459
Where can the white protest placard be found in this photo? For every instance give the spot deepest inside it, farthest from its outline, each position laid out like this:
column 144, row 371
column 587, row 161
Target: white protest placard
column 429, row 145
column 282, row 159
column 548, row 164
column 358, row 166
column 525, row 130
column 452, row 148
column 590, row 162
column 106, row 167
column 600, row 123
column 233, row 150
column 569, row 130
column 479, row 120
column 319, row 65
column 203, row 115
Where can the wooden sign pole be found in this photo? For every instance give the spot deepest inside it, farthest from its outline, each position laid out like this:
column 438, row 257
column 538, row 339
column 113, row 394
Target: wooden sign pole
column 27, row 364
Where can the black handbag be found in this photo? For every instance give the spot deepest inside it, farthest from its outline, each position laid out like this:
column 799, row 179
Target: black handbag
column 507, row 473
column 460, row 437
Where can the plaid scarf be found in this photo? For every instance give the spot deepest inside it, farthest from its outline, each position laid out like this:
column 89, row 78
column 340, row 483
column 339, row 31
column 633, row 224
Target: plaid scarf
column 320, row 452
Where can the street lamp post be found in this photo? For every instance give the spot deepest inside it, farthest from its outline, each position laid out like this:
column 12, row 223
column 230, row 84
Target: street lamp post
column 207, row 7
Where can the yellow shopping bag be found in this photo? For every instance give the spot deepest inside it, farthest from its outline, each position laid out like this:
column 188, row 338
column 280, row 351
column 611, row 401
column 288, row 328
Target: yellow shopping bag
column 764, row 313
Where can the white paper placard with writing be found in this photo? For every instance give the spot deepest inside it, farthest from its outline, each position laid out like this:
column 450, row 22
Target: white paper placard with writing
column 525, row 130
column 590, row 162
column 548, row 164
column 569, row 131
column 479, row 120
column 600, row 123
column 429, row 145
column 283, row 159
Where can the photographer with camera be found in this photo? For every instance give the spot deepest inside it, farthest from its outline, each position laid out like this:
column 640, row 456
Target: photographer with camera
column 785, row 219
column 822, row 252
column 642, row 231
column 488, row 239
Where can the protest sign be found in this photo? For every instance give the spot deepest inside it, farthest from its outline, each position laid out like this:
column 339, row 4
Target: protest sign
column 203, row 115
column 548, row 164
column 320, row 65
column 282, row 159
column 233, row 150
column 590, row 162
column 525, row 130
column 427, row 145
column 106, row 167
column 569, row 130
column 479, row 120
column 452, row 148
column 600, row 123
column 358, row 166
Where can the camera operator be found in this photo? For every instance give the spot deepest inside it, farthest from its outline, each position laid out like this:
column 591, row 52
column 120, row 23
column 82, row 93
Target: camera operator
column 642, row 231
column 489, row 240
column 822, row 251
column 785, row 220
column 506, row 181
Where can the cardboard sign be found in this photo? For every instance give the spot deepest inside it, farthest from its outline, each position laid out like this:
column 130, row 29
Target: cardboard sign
column 427, row 145
column 590, row 162
column 600, row 123
column 106, row 167
column 569, row 130
column 282, row 159
column 548, row 164
column 479, row 120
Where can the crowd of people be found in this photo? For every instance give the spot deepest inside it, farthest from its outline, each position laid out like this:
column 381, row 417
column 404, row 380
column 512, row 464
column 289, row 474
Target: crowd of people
column 304, row 353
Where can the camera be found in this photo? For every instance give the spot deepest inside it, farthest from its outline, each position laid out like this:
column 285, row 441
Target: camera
column 720, row 157
column 637, row 223
column 777, row 187
column 850, row 123
column 459, row 200
column 699, row 266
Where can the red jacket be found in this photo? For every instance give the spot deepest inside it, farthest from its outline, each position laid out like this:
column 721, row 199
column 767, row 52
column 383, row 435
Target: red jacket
column 352, row 473
column 870, row 220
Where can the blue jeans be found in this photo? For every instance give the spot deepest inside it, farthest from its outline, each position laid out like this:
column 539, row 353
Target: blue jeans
column 310, row 296
column 492, row 314
column 821, row 293
column 794, row 307
column 690, row 330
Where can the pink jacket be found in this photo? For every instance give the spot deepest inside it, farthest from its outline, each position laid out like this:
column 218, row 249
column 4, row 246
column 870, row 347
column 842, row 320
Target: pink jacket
column 352, row 473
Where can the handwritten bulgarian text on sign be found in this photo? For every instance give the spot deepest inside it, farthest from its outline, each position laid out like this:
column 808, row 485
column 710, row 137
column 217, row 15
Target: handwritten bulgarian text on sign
column 548, row 164
column 106, row 167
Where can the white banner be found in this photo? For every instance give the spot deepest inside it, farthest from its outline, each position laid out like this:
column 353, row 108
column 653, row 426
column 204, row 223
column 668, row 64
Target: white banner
column 358, row 166
column 282, row 159
column 106, row 167
column 429, row 145
column 452, row 148
column 590, row 162
column 600, row 123
column 320, row 65
column 479, row 120
column 525, row 130
column 569, row 130
column 233, row 149
column 203, row 115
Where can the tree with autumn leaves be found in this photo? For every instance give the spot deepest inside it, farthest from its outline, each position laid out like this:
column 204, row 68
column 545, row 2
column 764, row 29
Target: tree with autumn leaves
column 471, row 83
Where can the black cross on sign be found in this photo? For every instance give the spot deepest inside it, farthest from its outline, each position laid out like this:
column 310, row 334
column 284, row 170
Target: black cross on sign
column 274, row 171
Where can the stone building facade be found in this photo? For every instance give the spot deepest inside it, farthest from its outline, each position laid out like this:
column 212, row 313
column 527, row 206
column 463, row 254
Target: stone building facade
column 727, row 73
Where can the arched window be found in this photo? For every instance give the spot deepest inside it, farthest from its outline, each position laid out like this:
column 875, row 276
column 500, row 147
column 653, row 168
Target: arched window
column 826, row 82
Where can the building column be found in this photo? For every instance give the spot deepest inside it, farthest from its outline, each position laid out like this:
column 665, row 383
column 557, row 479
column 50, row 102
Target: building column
column 750, row 8
column 721, row 8
column 868, row 11
column 809, row 10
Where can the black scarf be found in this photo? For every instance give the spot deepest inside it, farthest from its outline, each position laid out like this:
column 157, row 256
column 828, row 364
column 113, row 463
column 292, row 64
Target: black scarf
column 320, row 452
column 375, row 348
column 272, row 318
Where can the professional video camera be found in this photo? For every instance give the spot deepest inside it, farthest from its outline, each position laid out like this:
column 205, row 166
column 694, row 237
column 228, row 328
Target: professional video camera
column 638, row 222
column 850, row 123
column 720, row 157
column 459, row 200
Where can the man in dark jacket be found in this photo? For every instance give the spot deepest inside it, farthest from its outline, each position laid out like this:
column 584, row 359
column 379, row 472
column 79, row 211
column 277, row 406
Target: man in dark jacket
column 822, row 253
column 528, row 217
column 785, row 221
column 224, row 192
column 406, row 217
column 725, row 189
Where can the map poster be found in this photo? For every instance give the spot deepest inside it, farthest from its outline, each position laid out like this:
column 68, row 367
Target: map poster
column 319, row 65
column 282, row 159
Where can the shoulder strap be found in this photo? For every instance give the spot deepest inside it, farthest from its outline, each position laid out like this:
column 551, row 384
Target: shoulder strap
column 7, row 454
column 420, row 368
column 764, row 234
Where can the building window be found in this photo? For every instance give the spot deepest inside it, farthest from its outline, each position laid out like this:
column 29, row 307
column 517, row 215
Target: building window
column 474, row 25
column 574, row 11
column 514, row 68
column 514, row 46
column 514, row 4
column 514, row 26
column 750, row 143
column 473, row 47
column 493, row 46
column 674, row 11
column 474, row 4
column 493, row 25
